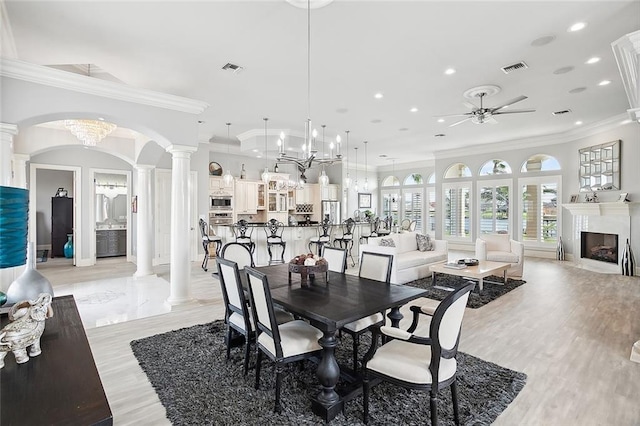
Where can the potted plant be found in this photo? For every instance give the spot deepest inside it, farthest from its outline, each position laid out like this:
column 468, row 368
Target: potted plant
column 368, row 214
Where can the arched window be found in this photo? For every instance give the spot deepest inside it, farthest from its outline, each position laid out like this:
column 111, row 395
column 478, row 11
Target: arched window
column 495, row 167
column 414, row 179
column 391, row 181
column 457, row 170
column 540, row 163
column 432, row 179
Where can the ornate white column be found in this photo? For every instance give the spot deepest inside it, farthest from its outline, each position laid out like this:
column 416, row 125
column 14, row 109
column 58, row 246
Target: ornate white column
column 627, row 52
column 7, row 131
column 180, row 267
column 20, row 170
column 144, row 223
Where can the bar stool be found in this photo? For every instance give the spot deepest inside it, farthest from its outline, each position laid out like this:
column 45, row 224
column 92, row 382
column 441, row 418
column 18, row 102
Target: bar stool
column 206, row 240
column 242, row 232
column 324, row 235
column 346, row 239
column 374, row 226
column 274, row 229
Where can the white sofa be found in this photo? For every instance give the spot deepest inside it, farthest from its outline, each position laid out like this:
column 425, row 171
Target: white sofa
column 501, row 248
column 408, row 262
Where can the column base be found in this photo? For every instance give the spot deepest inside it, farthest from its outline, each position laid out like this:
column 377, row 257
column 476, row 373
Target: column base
column 173, row 301
column 139, row 275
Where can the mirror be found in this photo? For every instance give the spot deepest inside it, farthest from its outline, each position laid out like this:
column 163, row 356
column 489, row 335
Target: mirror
column 600, row 167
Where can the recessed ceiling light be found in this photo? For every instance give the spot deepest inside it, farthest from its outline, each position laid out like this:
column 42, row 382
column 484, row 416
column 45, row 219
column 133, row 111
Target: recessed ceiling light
column 289, row 149
column 439, row 135
column 450, row 71
column 604, row 82
column 102, row 119
column 577, row 27
column 382, row 155
column 258, row 156
column 578, row 123
column 414, row 109
column 440, row 120
column 378, row 96
column 255, row 150
column 593, row 60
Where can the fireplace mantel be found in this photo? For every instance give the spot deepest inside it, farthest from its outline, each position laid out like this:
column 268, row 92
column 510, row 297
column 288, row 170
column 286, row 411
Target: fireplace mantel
column 602, row 209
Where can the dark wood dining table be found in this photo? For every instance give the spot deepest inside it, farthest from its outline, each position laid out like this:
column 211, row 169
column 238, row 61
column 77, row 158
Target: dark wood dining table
column 329, row 303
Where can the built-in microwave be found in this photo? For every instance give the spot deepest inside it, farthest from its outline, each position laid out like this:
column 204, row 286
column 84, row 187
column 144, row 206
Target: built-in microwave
column 221, row 202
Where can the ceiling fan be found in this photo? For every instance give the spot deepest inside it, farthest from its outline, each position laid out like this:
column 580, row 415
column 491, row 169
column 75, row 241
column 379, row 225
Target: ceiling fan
column 485, row 115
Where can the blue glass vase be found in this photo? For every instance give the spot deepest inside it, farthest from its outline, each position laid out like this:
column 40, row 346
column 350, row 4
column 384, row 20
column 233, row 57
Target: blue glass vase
column 68, row 247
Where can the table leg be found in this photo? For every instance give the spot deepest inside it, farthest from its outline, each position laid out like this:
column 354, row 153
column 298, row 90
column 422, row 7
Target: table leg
column 395, row 316
column 327, row 404
column 505, row 276
column 480, row 280
column 433, row 279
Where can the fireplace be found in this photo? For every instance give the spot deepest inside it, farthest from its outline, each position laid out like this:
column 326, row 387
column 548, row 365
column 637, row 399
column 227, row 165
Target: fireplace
column 599, row 246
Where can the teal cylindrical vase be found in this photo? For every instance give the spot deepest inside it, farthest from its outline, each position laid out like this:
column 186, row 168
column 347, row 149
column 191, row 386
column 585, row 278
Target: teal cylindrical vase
column 14, row 213
column 68, row 247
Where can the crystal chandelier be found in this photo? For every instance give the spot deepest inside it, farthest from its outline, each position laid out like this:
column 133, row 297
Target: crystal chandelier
column 355, row 185
column 266, row 176
column 90, row 132
column 365, row 187
column 347, row 181
column 309, row 149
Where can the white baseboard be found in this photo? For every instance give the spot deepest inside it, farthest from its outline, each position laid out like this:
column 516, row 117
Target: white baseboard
column 85, row 262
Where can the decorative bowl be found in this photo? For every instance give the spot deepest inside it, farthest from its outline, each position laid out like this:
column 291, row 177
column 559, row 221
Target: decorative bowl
column 307, row 270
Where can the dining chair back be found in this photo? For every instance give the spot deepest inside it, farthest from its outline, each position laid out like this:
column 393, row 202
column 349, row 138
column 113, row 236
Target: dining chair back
column 336, row 258
column 237, row 315
column 376, row 266
column 262, row 308
column 238, row 253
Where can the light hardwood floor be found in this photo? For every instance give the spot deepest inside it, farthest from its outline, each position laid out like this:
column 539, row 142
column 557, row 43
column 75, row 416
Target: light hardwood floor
column 570, row 330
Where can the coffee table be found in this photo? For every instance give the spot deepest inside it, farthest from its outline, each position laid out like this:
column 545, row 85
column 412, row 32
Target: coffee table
column 477, row 272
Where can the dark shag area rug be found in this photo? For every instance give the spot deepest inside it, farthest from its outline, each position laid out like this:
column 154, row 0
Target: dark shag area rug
column 489, row 291
column 198, row 386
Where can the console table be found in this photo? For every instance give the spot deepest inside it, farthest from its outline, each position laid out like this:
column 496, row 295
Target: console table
column 59, row 386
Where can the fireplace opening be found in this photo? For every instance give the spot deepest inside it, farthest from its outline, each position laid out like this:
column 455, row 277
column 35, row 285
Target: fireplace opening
column 597, row 246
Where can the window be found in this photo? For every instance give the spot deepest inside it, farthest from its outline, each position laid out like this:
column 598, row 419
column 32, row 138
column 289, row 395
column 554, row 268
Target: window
column 457, row 170
column 494, row 202
column 391, row 181
column 431, row 209
column 432, row 179
column 413, row 179
column 457, row 210
column 539, row 209
column 540, row 163
column 390, row 204
column 495, row 167
column 413, row 199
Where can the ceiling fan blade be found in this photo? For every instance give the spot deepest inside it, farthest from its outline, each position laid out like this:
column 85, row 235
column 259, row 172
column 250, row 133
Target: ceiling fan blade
column 470, row 106
column 490, row 119
column 511, row 102
column 461, row 121
column 464, row 114
column 514, row 111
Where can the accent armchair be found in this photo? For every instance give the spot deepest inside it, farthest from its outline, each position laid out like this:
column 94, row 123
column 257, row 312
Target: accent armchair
column 501, row 248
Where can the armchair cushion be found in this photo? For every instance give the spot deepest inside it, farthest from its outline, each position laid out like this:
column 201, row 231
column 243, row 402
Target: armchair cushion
column 497, row 242
column 409, row 362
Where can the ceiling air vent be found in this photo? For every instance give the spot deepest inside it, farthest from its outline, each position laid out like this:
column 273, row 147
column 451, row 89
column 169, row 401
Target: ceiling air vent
column 514, row 67
column 232, row 67
column 564, row 111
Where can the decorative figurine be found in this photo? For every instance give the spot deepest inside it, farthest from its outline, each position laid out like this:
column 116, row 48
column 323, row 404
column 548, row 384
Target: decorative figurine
column 26, row 326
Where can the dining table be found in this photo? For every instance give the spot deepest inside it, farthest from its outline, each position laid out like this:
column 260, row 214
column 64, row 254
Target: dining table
column 329, row 302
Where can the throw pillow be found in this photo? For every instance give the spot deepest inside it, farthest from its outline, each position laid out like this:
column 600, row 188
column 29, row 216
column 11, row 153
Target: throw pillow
column 424, row 242
column 387, row 242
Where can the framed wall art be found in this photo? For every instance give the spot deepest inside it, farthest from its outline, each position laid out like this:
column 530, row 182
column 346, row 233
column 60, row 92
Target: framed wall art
column 364, row 201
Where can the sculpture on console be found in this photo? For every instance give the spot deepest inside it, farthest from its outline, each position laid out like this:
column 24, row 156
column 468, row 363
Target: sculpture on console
column 26, row 326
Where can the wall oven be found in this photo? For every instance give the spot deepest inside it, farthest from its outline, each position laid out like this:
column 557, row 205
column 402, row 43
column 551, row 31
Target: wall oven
column 220, row 217
column 221, row 202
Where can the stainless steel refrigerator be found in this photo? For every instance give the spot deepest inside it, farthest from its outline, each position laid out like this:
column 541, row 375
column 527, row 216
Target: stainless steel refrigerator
column 331, row 208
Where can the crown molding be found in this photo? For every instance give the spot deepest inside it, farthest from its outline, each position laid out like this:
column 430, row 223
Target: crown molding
column 538, row 141
column 47, row 76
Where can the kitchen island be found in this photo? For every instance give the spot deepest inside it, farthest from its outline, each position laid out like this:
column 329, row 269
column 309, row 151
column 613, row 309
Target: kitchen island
column 296, row 236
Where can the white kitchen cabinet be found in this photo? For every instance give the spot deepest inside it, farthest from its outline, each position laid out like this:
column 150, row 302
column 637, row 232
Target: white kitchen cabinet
column 330, row 192
column 246, row 197
column 218, row 186
column 306, row 195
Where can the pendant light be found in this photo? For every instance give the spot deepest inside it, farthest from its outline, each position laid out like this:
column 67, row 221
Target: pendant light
column 365, row 187
column 323, row 179
column 347, row 181
column 228, row 178
column 266, row 176
column 355, row 186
